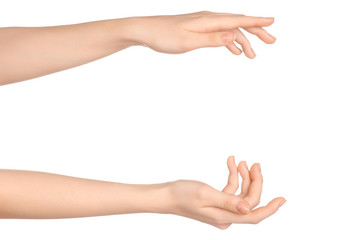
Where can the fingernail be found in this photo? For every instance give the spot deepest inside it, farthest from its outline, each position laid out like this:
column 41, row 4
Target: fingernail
column 242, row 208
column 252, row 52
column 272, row 36
column 282, row 202
column 227, row 37
column 269, row 17
column 259, row 167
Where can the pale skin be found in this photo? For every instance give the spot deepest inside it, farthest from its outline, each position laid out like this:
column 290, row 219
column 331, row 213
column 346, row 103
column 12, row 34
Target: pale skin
column 38, row 195
column 30, row 52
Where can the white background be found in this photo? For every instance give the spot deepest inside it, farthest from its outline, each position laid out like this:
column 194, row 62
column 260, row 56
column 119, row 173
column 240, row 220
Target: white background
column 143, row 117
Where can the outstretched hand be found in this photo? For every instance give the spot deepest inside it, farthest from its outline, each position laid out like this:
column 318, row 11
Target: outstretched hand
column 29, row 52
column 200, row 201
column 186, row 32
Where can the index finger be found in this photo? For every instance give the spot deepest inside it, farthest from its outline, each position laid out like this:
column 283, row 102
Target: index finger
column 225, row 22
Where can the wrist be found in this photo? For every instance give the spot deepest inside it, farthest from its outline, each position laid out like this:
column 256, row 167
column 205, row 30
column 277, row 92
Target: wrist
column 157, row 198
column 127, row 30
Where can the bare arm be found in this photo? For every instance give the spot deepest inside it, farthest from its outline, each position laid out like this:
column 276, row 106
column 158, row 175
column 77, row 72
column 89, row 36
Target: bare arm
column 29, row 52
column 27, row 194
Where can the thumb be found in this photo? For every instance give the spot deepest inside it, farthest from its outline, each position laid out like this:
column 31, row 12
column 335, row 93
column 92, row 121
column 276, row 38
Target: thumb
column 229, row 202
column 213, row 39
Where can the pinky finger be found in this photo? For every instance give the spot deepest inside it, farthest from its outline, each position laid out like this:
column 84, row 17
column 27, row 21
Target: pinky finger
column 234, row 49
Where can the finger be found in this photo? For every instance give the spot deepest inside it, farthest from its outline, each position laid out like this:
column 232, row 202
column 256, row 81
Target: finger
column 227, row 202
column 261, row 34
column 244, row 173
column 256, row 185
column 233, row 180
column 203, row 13
column 234, row 49
column 214, row 39
column 245, row 44
column 225, row 217
column 261, row 213
column 223, row 22
column 254, row 216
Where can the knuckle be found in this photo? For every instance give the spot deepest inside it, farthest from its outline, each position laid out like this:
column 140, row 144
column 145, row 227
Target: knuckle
column 204, row 12
column 228, row 203
column 233, row 184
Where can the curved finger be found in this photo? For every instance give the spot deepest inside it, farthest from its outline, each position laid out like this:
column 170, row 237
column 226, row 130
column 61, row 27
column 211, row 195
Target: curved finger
column 233, row 180
column 262, row 34
column 227, row 202
column 245, row 44
column 256, row 186
column 261, row 213
column 244, row 173
column 234, row 49
column 214, row 39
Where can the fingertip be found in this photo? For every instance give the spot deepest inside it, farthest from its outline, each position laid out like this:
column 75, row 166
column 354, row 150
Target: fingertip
column 231, row 164
column 269, row 20
column 243, row 164
column 231, row 160
column 282, row 201
column 239, row 52
column 252, row 54
column 255, row 172
column 254, row 166
column 277, row 203
column 243, row 169
column 270, row 39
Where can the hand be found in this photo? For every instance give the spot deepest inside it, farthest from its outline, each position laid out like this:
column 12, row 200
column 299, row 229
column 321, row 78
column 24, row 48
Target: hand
column 201, row 202
column 186, row 32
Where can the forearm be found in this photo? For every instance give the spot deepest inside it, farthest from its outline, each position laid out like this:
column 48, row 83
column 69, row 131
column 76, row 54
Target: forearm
column 26, row 194
column 29, row 52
